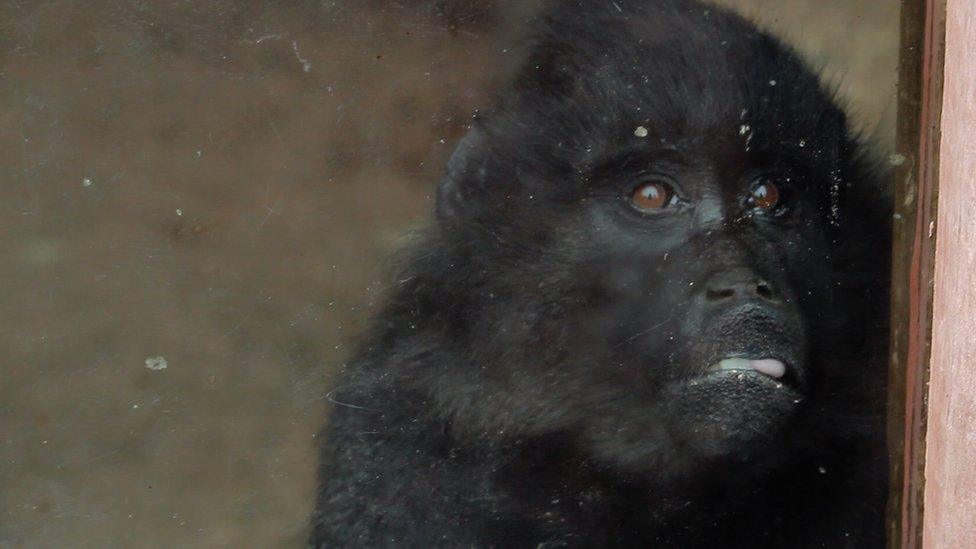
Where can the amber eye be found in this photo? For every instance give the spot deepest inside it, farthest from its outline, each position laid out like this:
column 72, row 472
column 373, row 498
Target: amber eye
column 652, row 196
column 765, row 196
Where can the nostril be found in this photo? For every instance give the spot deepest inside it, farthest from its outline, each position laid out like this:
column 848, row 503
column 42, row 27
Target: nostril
column 738, row 285
column 718, row 295
column 764, row 290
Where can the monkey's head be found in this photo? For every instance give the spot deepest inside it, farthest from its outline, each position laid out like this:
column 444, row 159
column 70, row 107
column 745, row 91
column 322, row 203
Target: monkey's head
column 663, row 244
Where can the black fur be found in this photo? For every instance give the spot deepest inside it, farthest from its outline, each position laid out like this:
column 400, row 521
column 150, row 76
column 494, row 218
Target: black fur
column 539, row 375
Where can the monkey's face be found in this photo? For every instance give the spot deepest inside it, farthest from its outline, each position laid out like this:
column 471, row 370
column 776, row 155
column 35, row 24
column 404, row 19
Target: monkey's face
column 671, row 297
column 671, row 301
column 689, row 270
column 659, row 243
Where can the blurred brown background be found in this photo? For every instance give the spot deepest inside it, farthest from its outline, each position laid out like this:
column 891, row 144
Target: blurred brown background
column 221, row 183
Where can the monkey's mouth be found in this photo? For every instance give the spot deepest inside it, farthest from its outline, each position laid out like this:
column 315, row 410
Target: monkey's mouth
column 771, row 367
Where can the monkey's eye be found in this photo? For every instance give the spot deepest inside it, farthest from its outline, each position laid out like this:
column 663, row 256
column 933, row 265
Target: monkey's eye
column 652, row 196
column 765, row 196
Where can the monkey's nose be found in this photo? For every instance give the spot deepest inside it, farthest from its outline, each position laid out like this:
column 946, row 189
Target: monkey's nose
column 739, row 286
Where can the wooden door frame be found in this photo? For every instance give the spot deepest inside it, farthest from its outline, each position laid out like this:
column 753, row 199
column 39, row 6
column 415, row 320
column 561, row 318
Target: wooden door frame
column 921, row 65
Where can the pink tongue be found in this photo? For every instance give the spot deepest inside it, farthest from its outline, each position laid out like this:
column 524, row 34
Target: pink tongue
column 769, row 366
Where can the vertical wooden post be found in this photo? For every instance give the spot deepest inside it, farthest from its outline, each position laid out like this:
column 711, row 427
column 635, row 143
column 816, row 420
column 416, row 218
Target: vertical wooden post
column 950, row 463
column 916, row 194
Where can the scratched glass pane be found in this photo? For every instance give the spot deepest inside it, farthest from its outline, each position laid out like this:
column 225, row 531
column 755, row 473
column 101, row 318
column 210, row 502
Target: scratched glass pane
column 444, row 272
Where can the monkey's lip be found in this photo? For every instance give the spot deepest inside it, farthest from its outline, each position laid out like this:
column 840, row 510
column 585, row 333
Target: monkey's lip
column 771, row 367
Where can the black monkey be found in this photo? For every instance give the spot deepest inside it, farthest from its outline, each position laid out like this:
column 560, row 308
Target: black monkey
column 652, row 310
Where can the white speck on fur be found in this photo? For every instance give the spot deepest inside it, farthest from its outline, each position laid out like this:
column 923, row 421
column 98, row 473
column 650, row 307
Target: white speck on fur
column 834, row 200
column 640, row 131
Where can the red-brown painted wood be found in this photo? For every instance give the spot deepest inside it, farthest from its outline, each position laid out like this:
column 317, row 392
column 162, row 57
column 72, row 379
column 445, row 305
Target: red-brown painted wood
column 913, row 259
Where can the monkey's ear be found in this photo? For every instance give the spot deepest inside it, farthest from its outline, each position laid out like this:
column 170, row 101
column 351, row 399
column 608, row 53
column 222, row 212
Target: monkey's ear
column 467, row 163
